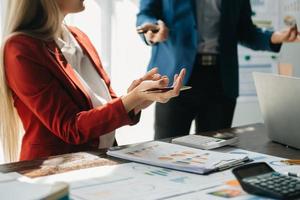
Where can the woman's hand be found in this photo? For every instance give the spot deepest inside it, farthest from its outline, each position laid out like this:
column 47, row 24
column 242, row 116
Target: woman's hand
column 145, row 104
column 164, row 97
column 138, row 97
column 150, row 75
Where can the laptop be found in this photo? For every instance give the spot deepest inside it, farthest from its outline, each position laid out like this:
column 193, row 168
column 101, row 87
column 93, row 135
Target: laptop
column 279, row 100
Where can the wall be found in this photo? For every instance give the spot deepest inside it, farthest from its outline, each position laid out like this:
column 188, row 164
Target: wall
column 290, row 52
column 266, row 16
column 95, row 21
column 130, row 57
column 248, row 111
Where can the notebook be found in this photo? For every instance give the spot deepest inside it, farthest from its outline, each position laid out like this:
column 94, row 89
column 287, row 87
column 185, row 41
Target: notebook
column 178, row 157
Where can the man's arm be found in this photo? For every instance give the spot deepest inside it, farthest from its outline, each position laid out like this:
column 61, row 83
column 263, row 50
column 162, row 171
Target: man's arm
column 149, row 12
column 149, row 22
column 251, row 36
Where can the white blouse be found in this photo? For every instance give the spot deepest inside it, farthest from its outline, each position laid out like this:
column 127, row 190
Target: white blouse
column 88, row 76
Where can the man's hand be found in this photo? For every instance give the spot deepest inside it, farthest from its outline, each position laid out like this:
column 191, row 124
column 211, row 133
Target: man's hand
column 154, row 33
column 287, row 35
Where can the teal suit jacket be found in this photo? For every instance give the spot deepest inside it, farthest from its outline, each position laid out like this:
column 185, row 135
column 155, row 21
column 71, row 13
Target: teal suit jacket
column 180, row 50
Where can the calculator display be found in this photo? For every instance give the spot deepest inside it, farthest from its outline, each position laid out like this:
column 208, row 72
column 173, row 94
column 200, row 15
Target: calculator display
column 253, row 170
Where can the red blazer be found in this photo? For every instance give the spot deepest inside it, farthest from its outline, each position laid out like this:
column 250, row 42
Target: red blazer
column 54, row 107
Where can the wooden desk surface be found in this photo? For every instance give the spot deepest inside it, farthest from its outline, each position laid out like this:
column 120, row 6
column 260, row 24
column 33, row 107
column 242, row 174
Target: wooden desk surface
column 255, row 138
column 251, row 137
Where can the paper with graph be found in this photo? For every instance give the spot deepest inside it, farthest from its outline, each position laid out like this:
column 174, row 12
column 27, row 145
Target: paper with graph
column 178, row 157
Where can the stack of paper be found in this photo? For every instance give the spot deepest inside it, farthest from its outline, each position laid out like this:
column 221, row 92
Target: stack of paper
column 178, row 157
column 11, row 188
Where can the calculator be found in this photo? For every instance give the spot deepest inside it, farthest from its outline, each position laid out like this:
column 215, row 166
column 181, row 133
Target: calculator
column 205, row 142
column 261, row 179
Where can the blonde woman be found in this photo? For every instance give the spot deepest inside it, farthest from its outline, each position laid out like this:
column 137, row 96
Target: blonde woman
column 54, row 79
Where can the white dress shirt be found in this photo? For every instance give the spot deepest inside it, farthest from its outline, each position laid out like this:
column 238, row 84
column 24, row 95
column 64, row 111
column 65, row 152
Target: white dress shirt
column 88, row 76
column 208, row 19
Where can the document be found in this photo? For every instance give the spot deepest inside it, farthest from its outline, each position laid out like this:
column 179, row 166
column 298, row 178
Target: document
column 178, row 157
column 12, row 188
column 145, row 182
column 132, row 181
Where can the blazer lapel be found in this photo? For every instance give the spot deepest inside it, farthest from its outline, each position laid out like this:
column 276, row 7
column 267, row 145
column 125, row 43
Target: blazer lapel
column 66, row 69
column 89, row 50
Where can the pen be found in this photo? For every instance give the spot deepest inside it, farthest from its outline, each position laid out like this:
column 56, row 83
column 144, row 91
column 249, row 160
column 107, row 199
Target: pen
column 291, row 162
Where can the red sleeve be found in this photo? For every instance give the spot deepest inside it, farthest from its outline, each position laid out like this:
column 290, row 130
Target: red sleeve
column 32, row 82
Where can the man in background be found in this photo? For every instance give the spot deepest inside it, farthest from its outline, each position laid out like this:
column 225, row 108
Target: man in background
column 201, row 36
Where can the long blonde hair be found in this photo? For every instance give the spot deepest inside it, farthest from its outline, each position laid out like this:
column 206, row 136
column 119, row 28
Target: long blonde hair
column 38, row 18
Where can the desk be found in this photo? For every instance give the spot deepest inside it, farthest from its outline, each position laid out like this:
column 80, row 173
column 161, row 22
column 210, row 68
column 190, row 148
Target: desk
column 252, row 137
column 255, row 138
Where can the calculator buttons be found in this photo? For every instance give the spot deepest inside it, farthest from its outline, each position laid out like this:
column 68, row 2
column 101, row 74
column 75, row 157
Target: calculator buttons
column 276, row 183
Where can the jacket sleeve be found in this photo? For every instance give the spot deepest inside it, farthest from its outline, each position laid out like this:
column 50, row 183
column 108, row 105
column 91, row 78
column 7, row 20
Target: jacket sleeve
column 33, row 84
column 251, row 36
column 149, row 12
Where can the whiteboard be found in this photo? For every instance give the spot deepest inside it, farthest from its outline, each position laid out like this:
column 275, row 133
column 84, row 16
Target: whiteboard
column 290, row 52
column 266, row 16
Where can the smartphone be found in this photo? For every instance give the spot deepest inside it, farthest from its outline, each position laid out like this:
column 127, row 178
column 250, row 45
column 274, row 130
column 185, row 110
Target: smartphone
column 145, row 30
column 165, row 89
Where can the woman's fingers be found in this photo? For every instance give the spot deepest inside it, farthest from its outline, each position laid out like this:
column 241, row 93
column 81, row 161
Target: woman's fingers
column 153, row 73
column 161, row 82
column 150, row 84
column 156, row 77
column 178, row 83
column 150, row 75
column 166, row 96
column 179, row 80
column 134, row 84
column 174, row 79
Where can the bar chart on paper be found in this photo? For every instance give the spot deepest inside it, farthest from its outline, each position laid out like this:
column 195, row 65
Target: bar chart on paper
column 132, row 181
column 143, row 182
